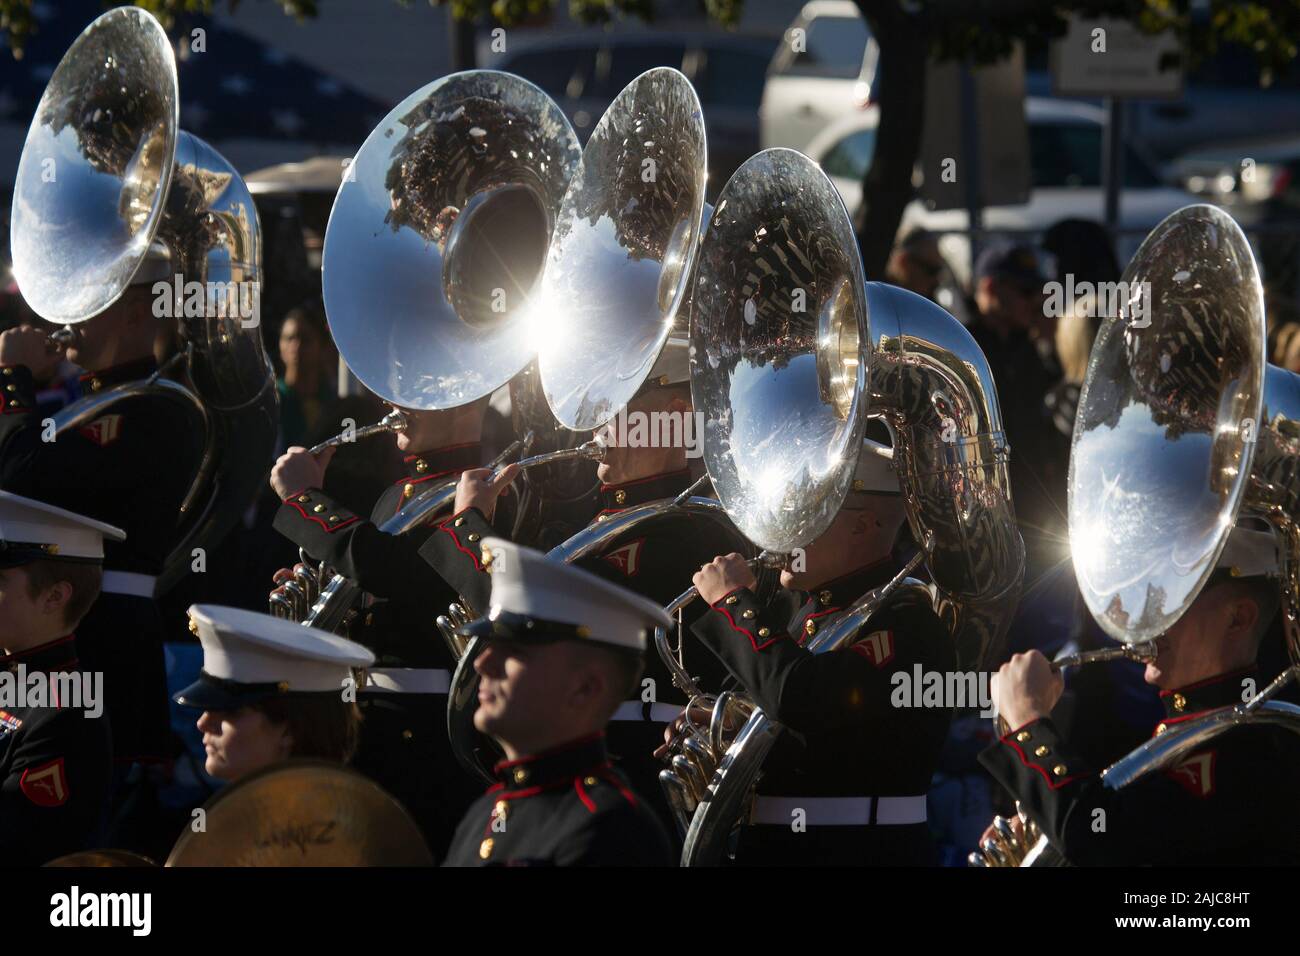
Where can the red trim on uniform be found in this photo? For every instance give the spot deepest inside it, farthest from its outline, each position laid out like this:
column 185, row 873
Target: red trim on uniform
column 608, row 774
column 803, row 635
column 1051, row 784
column 1217, row 679
column 735, row 627
column 582, row 795
column 329, row 528
column 415, row 481
column 529, row 758
column 23, row 655
column 446, row 526
column 1178, row 720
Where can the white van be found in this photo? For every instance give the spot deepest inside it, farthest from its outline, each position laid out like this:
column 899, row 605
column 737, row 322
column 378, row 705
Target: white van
column 823, row 70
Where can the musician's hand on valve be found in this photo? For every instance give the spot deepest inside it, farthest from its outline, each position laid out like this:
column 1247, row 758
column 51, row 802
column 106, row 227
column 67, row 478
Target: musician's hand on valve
column 478, row 489
column 1026, row 688
column 31, row 347
column 298, row 468
column 721, row 576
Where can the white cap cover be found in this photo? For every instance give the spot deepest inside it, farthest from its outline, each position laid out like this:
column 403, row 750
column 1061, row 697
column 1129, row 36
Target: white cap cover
column 31, row 530
column 532, row 593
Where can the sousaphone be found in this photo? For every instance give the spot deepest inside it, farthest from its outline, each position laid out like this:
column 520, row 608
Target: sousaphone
column 614, row 289
column 792, row 351
column 105, row 173
column 432, row 253
column 1183, row 428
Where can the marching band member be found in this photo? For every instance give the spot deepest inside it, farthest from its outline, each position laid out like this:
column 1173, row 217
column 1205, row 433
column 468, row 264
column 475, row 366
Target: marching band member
column 1231, row 801
column 404, row 743
column 55, row 755
column 130, row 467
column 563, row 649
column 654, row 560
column 847, row 783
column 270, row 690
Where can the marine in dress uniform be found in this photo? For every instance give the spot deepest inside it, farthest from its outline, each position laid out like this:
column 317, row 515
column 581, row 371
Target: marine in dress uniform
column 852, row 768
column 655, row 559
column 130, row 467
column 252, row 659
column 404, row 745
column 55, row 759
column 557, row 800
column 1231, row 801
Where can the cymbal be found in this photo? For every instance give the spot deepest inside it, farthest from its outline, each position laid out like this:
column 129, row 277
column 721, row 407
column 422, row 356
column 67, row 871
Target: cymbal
column 303, row 813
column 101, row 858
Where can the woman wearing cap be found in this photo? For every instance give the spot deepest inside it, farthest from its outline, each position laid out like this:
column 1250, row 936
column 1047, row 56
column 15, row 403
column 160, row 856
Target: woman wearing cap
column 271, row 690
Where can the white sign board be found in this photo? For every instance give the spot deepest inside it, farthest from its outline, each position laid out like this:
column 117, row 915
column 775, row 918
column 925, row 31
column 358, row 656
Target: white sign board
column 1114, row 58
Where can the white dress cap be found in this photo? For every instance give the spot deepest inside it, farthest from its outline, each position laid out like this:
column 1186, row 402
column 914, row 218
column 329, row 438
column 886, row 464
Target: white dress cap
column 31, row 530
column 875, row 471
column 1249, row 553
column 532, row 587
column 246, row 647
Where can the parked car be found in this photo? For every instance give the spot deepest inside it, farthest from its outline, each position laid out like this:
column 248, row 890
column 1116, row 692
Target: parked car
column 1065, row 163
column 1242, row 171
column 824, row 76
column 583, row 73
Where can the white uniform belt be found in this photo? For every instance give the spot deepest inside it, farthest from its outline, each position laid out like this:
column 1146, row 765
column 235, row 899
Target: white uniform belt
column 409, row 680
column 128, row 582
column 839, row 811
column 636, row 710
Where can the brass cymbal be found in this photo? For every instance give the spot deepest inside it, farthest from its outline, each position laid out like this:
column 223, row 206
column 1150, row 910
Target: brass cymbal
column 303, row 813
column 101, row 858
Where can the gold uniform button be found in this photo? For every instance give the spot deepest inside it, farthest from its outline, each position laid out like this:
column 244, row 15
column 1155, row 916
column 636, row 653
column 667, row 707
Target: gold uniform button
column 620, row 496
column 824, row 597
column 96, row 385
column 282, row 687
column 1043, row 751
column 521, row 775
column 407, row 489
column 334, row 517
column 407, row 734
column 501, row 810
column 303, row 499
column 1060, row 770
column 11, row 387
column 748, row 614
column 459, row 522
column 1180, row 703
column 732, row 599
column 473, row 536
column 1161, row 728
column 1022, row 736
column 589, row 781
column 763, row 632
column 318, row 509
column 421, row 466
column 8, row 371
column 485, row 849
column 810, row 627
